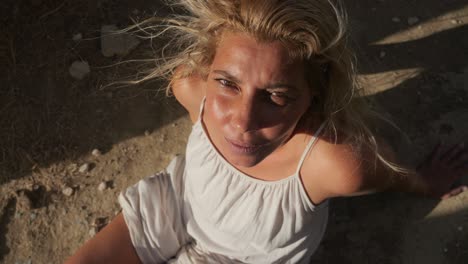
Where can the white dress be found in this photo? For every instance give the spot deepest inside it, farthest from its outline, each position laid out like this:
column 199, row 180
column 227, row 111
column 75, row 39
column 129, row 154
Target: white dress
column 201, row 209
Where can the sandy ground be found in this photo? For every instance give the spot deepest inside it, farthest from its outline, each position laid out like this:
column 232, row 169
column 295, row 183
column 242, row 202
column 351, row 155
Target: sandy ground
column 414, row 62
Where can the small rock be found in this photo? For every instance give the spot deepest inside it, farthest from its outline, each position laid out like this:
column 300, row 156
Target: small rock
column 382, row 54
column 72, row 167
column 96, row 152
column 32, row 216
column 396, row 19
column 77, row 37
column 79, row 69
column 114, row 42
column 412, row 20
column 102, row 186
column 460, row 228
column 84, row 168
column 92, row 232
column 68, row 191
column 445, row 250
column 51, row 207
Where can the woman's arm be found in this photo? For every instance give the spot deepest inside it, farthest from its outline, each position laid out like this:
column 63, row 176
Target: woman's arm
column 434, row 177
column 354, row 173
column 111, row 245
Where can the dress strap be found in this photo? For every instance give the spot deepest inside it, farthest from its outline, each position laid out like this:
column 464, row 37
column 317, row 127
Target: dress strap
column 309, row 146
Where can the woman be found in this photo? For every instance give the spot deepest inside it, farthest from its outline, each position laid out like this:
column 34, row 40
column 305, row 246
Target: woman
column 278, row 130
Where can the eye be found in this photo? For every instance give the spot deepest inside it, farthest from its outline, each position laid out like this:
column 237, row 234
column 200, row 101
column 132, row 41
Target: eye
column 279, row 98
column 226, row 84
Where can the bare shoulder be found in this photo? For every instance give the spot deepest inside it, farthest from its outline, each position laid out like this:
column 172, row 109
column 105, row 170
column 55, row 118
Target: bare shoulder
column 189, row 92
column 333, row 169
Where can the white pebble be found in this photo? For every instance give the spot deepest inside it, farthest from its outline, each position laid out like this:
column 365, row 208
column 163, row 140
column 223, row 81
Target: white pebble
column 102, row 186
column 68, row 191
column 382, row 54
column 396, row 19
column 79, row 69
column 445, row 250
column 92, row 232
column 96, row 152
column 84, row 168
column 412, row 20
column 77, row 37
column 460, row 228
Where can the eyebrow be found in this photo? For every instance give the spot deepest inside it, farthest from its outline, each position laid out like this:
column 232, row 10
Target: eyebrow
column 268, row 87
column 228, row 76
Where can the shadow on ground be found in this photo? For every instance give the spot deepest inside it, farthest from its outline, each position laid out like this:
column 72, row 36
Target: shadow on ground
column 46, row 116
column 395, row 228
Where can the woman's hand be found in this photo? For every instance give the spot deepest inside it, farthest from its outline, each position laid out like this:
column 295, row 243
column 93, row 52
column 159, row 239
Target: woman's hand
column 442, row 168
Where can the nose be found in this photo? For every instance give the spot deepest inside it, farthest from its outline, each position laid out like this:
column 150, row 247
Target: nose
column 245, row 116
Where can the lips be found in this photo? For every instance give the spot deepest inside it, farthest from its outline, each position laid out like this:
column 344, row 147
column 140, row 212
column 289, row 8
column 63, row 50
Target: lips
column 244, row 148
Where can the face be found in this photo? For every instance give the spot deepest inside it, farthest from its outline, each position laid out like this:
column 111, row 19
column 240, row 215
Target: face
column 255, row 97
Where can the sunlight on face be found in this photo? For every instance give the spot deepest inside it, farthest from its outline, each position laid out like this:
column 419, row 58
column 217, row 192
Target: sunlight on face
column 255, row 97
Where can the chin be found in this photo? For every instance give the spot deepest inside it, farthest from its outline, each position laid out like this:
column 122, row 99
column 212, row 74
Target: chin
column 245, row 161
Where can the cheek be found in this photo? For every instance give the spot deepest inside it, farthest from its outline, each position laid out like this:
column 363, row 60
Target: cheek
column 283, row 128
column 217, row 108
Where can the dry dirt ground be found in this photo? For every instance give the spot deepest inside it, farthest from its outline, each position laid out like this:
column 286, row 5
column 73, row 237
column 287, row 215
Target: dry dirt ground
column 414, row 62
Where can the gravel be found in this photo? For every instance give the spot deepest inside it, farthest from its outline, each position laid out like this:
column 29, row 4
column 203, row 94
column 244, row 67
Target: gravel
column 84, row 168
column 67, row 191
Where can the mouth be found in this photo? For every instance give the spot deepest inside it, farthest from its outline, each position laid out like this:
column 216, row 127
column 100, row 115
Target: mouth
column 244, row 148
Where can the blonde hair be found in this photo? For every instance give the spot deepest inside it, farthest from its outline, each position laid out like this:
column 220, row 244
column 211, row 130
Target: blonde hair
column 311, row 30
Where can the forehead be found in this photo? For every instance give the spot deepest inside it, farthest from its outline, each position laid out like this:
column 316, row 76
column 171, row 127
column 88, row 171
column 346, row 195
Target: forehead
column 244, row 56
